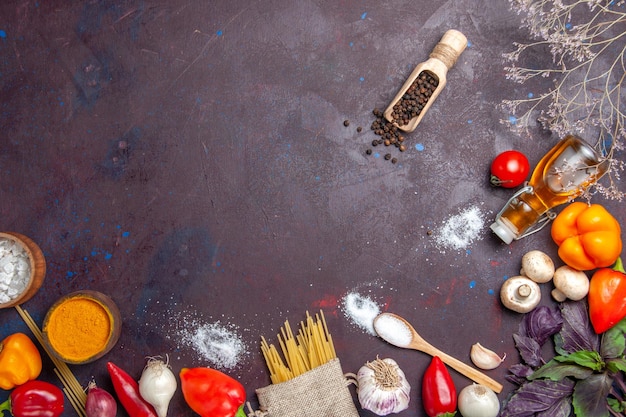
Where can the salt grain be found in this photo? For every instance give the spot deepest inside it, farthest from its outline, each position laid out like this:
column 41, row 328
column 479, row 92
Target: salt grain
column 361, row 311
column 14, row 270
column 461, row 230
column 393, row 330
column 216, row 343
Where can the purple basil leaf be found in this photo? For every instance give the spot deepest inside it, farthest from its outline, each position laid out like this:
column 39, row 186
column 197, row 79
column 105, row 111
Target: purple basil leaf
column 537, row 396
column 562, row 408
column 529, row 350
column 541, row 323
column 590, row 394
column 521, row 370
column 577, row 332
column 519, row 373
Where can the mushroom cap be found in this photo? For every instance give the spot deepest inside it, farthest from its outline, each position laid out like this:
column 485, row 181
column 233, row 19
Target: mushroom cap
column 520, row 294
column 537, row 266
column 571, row 283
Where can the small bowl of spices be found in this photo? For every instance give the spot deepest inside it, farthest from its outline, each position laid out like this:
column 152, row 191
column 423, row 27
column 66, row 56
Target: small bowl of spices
column 82, row 327
column 22, row 269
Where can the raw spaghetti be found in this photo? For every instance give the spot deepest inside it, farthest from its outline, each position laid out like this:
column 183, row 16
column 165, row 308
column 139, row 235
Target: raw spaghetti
column 310, row 348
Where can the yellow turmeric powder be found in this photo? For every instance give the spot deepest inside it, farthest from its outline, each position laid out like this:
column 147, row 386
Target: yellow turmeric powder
column 79, row 328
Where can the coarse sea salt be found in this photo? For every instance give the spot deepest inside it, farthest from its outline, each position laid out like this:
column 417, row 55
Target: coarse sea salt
column 393, row 330
column 361, row 311
column 14, row 270
column 215, row 343
column 461, row 230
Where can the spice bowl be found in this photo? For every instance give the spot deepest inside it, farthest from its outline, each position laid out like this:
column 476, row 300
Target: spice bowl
column 22, row 269
column 82, row 327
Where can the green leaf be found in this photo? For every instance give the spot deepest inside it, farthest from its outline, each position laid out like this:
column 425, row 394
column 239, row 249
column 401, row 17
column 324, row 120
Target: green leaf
column 616, row 405
column 613, row 342
column 616, row 365
column 586, row 358
column 556, row 371
column 589, row 399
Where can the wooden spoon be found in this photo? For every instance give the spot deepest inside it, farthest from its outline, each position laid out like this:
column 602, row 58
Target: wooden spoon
column 399, row 332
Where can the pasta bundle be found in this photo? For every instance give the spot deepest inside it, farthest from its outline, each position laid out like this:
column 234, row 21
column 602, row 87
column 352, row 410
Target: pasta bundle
column 310, row 348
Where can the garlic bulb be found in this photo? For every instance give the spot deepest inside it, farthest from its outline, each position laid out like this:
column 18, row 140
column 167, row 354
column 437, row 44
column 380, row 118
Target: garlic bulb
column 485, row 358
column 382, row 387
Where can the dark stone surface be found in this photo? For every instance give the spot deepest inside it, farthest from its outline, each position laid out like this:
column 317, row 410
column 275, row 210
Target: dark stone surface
column 189, row 159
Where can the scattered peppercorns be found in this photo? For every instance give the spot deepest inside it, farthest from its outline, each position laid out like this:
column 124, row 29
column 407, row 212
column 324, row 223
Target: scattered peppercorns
column 389, row 135
column 415, row 98
column 346, row 123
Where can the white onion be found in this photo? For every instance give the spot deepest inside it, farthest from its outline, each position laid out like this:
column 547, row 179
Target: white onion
column 157, row 385
column 478, row 401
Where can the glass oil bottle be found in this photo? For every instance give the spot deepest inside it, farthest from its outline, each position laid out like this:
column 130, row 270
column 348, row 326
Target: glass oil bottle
column 560, row 176
column 429, row 77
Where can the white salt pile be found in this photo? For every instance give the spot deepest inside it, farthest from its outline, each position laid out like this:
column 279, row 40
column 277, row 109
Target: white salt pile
column 393, row 330
column 218, row 344
column 361, row 311
column 14, row 270
column 461, row 230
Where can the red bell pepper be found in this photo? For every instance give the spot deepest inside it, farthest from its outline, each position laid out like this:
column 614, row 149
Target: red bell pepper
column 127, row 390
column 35, row 398
column 607, row 297
column 212, row 393
column 438, row 390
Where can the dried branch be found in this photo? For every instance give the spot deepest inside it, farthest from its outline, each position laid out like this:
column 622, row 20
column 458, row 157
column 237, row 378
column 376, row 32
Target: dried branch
column 587, row 42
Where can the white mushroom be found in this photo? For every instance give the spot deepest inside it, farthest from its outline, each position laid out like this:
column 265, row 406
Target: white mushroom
column 520, row 294
column 537, row 266
column 570, row 283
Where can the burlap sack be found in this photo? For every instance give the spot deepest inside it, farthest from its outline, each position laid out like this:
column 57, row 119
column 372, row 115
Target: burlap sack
column 320, row 392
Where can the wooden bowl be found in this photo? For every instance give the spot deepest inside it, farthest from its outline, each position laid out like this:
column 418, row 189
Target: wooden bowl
column 82, row 327
column 37, row 264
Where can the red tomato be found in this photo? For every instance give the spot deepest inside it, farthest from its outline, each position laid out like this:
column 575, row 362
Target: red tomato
column 509, row 169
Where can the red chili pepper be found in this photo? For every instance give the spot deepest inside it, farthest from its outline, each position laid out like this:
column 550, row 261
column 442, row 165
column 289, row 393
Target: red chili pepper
column 607, row 297
column 438, row 390
column 35, row 399
column 127, row 390
column 212, row 393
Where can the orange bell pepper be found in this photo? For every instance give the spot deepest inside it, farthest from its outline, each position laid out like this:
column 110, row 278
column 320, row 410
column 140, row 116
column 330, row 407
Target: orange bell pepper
column 588, row 236
column 20, row 361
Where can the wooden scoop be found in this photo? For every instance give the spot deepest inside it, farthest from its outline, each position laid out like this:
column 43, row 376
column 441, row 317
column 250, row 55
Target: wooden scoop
column 399, row 332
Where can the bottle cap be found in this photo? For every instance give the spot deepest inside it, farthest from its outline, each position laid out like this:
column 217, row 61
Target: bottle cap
column 503, row 231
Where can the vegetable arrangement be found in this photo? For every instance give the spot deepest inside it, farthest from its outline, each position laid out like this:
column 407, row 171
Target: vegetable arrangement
column 586, row 375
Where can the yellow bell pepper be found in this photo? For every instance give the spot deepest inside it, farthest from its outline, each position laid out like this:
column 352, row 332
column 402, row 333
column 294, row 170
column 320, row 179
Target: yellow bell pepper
column 588, row 236
column 20, row 361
